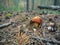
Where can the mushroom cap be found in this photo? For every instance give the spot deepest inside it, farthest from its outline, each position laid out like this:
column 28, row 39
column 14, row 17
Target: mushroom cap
column 37, row 19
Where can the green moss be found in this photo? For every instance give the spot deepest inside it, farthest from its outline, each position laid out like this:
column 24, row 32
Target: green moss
column 8, row 15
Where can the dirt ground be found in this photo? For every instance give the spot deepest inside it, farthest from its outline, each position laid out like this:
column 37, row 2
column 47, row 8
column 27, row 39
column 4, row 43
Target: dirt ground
column 20, row 32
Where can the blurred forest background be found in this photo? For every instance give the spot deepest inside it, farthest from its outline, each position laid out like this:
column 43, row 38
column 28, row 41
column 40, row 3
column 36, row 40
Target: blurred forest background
column 21, row 5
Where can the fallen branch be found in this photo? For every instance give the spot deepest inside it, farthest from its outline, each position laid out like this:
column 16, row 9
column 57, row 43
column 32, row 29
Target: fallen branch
column 5, row 24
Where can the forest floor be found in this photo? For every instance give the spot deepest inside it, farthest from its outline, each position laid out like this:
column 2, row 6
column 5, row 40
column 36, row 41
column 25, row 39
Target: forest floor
column 11, row 35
